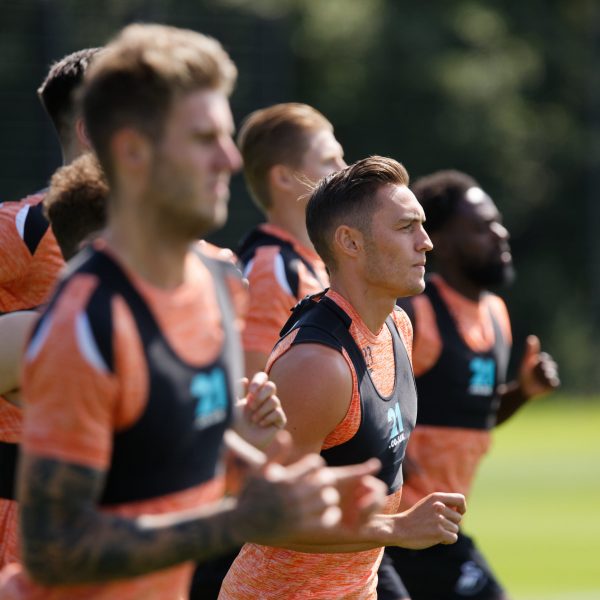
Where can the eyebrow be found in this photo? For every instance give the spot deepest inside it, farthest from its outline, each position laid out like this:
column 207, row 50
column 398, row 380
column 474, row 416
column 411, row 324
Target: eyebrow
column 412, row 216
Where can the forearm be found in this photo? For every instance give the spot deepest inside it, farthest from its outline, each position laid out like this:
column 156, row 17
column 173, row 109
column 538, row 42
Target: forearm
column 512, row 399
column 67, row 539
column 96, row 547
column 381, row 530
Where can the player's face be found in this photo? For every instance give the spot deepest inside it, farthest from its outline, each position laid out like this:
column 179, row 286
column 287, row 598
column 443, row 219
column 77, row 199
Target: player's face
column 324, row 156
column 193, row 163
column 481, row 241
column 397, row 243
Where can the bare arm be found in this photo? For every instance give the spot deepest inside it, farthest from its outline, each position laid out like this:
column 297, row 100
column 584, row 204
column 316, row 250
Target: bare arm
column 14, row 328
column 538, row 375
column 314, row 384
column 68, row 540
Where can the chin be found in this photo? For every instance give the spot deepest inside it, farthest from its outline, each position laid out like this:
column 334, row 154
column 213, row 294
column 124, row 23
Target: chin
column 413, row 290
column 493, row 275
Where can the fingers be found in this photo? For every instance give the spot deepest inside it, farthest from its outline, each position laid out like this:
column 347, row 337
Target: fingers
column 244, row 386
column 451, row 508
column 310, row 464
column 262, row 407
column 547, row 370
column 340, row 475
column 532, row 345
column 267, row 411
column 259, row 380
column 244, row 451
column 370, row 498
column 456, row 502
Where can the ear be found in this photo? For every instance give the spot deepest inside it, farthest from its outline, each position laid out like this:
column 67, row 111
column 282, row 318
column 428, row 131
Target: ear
column 281, row 177
column 131, row 151
column 81, row 133
column 348, row 241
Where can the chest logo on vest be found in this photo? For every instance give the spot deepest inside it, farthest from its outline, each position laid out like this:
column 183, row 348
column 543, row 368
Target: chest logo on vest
column 397, row 434
column 210, row 391
column 483, row 376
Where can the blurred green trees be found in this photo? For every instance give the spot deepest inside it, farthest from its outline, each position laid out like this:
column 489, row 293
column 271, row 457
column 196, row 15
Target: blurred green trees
column 507, row 91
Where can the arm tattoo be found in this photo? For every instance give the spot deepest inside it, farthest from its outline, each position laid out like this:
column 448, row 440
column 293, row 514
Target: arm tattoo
column 66, row 539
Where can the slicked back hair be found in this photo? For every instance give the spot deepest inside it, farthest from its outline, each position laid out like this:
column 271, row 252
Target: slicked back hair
column 141, row 73
column 440, row 194
column 278, row 134
column 57, row 92
column 348, row 197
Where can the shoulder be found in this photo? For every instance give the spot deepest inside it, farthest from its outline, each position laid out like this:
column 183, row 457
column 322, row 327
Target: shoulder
column 26, row 218
column 82, row 312
column 274, row 270
column 315, row 385
column 313, row 360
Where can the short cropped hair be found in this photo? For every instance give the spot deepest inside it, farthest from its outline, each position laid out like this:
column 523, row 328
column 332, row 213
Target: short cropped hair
column 348, row 197
column 278, row 134
column 57, row 92
column 440, row 194
column 76, row 203
column 141, row 73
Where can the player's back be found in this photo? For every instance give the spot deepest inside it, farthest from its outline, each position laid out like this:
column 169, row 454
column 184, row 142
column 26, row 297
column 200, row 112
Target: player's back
column 30, row 256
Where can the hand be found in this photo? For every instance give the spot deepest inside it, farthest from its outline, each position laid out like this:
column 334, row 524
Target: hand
column 260, row 415
column 360, row 499
column 432, row 520
column 538, row 373
column 278, row 503
column 224, row 254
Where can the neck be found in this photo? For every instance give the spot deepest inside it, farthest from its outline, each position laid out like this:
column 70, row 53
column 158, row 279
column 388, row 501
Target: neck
column 293, row 222
column 145, row 248
column 372, row 305
column 71, row 151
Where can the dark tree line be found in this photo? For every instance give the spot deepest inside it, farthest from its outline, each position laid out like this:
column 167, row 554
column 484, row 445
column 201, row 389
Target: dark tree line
column 507, row 91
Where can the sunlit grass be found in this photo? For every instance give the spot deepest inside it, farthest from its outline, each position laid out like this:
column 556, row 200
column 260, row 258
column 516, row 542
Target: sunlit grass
column 535, row 508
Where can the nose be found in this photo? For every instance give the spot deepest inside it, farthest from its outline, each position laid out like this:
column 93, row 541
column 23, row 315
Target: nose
column 426, row 245
column 500, row 231
column 340, row 164
column 229, row 157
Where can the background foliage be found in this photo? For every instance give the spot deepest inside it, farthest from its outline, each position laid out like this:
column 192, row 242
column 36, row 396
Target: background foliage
column 507, row 91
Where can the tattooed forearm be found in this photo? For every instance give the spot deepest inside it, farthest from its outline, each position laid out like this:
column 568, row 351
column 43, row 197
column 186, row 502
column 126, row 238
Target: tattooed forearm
column 67, row 540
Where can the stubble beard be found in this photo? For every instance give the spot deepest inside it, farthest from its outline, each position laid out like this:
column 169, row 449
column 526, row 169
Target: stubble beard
column 174, row 202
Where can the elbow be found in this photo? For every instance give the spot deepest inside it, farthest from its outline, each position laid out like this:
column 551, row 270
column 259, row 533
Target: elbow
column 44, row 563
column 41, row 573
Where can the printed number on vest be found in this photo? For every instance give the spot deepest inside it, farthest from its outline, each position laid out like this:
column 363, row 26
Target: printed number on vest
column 210, row 391
column 394, row 417
column 483, row 376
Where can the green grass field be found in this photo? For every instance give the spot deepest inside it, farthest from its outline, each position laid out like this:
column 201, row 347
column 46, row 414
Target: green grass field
column 535, row 507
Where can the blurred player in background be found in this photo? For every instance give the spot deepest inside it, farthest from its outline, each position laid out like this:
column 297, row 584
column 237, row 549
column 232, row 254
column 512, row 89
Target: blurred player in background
column 286, row 149
column 30, row 261
column 462, row 343
column 76, row 205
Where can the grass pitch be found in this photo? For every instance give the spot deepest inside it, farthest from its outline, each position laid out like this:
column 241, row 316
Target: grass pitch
column 535, row 507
